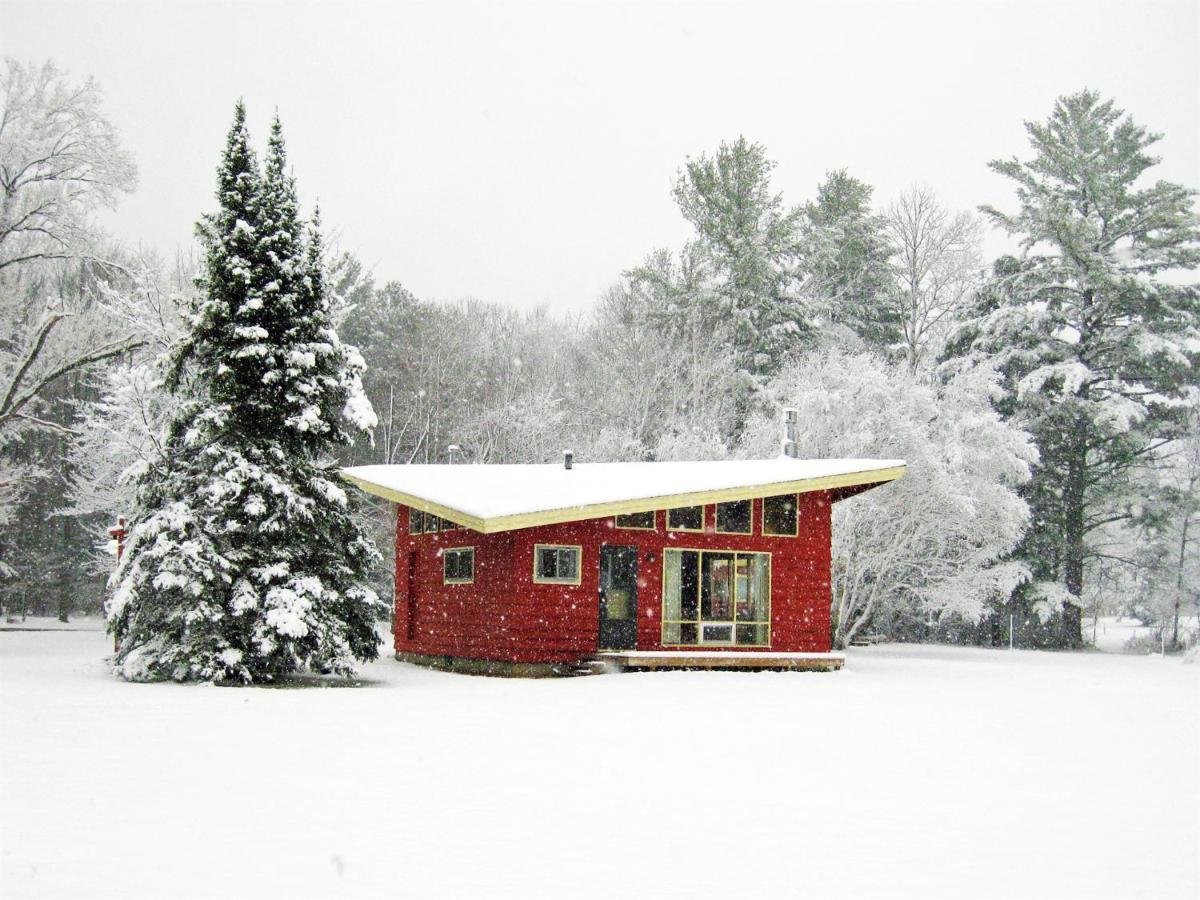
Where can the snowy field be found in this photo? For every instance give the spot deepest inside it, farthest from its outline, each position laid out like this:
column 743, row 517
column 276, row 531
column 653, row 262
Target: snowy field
column 1112, row 634
column 917, row 771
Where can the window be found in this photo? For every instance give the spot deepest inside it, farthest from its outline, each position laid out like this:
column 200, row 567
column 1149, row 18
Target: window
column 643, row 520
column 685, row 518
column 716, row 597
column 556, row 565
column 428, row 523
column 458, row 565
column 779, row 515
column 734, row 518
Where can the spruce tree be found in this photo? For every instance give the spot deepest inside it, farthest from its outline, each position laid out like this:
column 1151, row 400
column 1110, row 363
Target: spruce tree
column 1098, row 348
column 244, row 561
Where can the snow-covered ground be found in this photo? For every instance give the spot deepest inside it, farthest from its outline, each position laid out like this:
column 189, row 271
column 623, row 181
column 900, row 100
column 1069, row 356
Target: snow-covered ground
column 1112, row 634
column 917, row 771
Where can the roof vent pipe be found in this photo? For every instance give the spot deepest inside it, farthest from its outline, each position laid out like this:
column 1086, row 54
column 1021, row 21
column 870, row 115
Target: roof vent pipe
column 568, row 458
column 791, row 422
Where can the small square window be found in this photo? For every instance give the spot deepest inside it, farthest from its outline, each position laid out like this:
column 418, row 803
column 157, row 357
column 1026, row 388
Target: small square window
column 734, row 518
column 643, row 520
column 556, row 565
column 752, row 635
column 458, row 565
column 685, row 518
column 717, row 634
column 416, row 521
column 779, row 515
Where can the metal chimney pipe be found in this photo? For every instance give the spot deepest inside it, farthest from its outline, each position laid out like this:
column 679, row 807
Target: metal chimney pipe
column 568, row 458
column 791, row 422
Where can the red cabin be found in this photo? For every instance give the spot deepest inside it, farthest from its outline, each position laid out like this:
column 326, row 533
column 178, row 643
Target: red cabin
column 541, row 569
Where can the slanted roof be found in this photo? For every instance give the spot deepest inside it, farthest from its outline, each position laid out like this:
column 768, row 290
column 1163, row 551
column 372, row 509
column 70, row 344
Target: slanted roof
column 491, row 498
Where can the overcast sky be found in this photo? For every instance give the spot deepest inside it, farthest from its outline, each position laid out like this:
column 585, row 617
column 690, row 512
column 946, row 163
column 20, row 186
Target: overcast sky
column 524, row 152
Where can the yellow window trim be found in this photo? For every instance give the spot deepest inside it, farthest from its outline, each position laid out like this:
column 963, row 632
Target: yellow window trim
column 700, row 623
column 653, row 527
column 578, row 548
column 717, row 517
column 643, row 504
column 795, row 518
column 703, row 519
column 445, row 553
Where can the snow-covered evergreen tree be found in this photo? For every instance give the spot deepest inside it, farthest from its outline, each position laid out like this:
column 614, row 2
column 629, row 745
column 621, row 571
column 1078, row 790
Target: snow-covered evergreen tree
column 1097, row 347
column 244, row 562
column 848, row 281
column 746, row 242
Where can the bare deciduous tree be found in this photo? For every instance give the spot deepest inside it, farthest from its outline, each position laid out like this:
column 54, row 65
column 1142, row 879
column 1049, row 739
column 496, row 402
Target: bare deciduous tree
column 937, row 265
column 60, row 160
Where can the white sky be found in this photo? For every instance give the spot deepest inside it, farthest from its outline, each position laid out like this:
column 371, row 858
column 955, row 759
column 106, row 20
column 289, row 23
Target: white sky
column 523, row 152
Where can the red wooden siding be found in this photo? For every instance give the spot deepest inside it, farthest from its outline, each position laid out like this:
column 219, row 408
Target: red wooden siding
column 504, row 615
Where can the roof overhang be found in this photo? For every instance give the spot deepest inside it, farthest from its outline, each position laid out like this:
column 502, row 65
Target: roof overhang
column 840, row 485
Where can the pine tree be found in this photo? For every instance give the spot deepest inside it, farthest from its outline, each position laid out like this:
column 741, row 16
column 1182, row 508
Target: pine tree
column 747, row 243
column 1097, row 347
column 846, row 252
column 244, row 562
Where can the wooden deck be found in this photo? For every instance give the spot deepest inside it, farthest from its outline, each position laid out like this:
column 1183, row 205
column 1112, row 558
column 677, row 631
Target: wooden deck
column 719, row 659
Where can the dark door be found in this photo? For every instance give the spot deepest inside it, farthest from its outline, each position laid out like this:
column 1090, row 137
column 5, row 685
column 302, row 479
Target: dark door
column 618, row 597
column 410, row 631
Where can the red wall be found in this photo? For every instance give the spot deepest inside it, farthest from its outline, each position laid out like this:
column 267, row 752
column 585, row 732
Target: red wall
column 505, row 615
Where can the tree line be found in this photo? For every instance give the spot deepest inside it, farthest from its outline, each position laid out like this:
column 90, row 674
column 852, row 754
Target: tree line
column 1047, row 401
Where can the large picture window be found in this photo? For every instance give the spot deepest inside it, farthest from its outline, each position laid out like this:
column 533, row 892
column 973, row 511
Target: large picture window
column 555, row 564
column 458, row 565
column 716, row 597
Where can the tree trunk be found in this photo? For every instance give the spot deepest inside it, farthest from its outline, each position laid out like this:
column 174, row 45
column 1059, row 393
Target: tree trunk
column 1074, row 533
column 1183, row 539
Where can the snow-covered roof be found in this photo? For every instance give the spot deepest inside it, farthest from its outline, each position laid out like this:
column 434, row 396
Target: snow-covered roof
column 491, row 498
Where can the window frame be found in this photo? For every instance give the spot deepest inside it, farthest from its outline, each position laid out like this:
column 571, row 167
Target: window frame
column 699, row 621
column 703, row 507
column 653, row 517
column 795, row 517
column 578, row 548
column 413, row 512
column 717, row 517
column 446, row 579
